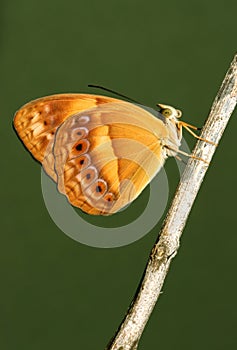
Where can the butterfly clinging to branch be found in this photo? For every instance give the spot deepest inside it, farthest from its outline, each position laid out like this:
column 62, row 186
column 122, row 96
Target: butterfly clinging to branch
column 101, row 151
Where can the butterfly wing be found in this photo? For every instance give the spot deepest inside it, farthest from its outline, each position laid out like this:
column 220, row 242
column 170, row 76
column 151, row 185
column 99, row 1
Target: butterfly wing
column 37, row 121
column 106, row 155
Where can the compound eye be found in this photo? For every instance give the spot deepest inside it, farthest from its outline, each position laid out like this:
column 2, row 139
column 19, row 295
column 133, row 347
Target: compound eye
column 166, row 112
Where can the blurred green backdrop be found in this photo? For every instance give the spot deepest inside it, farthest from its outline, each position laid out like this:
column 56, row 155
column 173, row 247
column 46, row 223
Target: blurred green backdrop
column 57, row 293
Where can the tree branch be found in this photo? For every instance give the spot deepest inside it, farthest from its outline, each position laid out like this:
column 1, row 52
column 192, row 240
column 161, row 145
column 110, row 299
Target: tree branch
column 130, row 330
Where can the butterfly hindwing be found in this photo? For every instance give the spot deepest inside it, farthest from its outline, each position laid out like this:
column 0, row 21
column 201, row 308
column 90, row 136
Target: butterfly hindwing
column 106, row 155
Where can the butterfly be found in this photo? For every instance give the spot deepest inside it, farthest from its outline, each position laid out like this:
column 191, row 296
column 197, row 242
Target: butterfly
column 101, row 151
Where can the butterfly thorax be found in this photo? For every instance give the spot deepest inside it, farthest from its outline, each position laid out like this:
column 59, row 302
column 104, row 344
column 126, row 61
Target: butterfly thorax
column 173, row 139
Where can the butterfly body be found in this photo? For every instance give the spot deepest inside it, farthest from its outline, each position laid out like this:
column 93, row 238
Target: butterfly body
column 101, row 151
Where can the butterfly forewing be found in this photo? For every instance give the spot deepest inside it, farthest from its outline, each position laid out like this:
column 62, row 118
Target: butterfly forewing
column 37, row 121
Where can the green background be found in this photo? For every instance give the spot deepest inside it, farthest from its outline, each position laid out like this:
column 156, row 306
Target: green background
column 56, row 293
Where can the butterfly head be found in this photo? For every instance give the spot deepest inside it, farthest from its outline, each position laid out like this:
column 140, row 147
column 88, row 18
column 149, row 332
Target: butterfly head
column 170, row 113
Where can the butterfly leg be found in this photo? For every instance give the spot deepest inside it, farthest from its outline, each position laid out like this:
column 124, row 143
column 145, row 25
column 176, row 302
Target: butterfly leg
column 188, row 127
column 186, row 154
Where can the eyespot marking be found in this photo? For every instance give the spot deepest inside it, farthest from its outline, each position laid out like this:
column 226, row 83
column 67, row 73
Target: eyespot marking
column 80, row 147
column 97, row 189
column 87, row 176
column 81, row 162
column 79, row 133
column 109, row 197
column 84, row 119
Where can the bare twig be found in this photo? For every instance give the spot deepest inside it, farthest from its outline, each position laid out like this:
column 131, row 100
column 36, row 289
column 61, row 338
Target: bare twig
column 166, row 247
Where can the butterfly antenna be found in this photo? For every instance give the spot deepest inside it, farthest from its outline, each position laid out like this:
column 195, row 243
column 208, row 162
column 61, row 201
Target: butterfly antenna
column 114, row 92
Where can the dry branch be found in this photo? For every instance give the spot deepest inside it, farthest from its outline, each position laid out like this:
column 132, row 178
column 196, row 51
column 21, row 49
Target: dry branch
column 130, row 330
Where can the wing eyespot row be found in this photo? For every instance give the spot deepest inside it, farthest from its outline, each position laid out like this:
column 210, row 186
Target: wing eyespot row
column 95, row 188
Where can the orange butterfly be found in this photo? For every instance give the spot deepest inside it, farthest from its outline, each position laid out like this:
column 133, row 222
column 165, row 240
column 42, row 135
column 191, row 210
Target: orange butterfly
column 101, row 151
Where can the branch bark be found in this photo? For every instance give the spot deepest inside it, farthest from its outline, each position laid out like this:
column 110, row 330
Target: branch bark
column 167, row 244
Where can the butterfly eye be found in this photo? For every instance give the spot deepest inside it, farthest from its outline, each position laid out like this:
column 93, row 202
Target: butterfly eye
column 166, row 112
